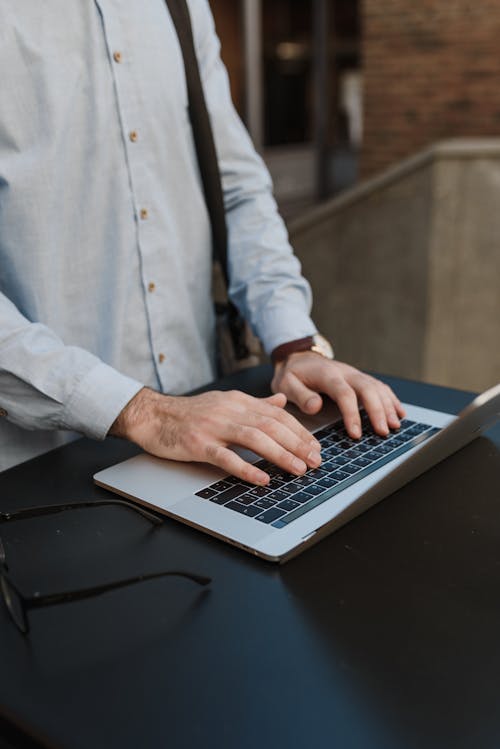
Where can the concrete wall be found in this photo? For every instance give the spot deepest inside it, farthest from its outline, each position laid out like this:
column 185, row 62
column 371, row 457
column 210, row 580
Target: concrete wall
column 405, row 268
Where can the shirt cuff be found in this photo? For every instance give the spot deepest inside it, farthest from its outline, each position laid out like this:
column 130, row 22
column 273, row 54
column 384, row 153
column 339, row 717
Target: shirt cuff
column 281, row 325
column 98, row 399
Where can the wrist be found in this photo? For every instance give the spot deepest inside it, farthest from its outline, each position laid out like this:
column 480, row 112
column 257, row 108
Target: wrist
column 316, row 344
column 142, row 410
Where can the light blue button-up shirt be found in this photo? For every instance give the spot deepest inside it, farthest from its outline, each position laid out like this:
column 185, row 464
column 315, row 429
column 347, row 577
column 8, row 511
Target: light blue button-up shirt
column 105, row 243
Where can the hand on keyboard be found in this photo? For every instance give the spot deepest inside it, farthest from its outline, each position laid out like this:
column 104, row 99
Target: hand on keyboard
column 202, row 427
column 304, row 375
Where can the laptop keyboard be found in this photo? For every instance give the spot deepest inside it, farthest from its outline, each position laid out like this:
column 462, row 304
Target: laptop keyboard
column 345, row 461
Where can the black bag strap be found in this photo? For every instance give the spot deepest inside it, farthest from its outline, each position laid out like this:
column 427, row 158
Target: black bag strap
column 202, row 131
column 207, row 160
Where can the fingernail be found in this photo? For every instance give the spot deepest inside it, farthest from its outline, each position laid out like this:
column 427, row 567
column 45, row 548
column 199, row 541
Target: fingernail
column 312, row 402
column 382, row 426
column 356, row 430
column 263, row 479
column 314, row 458
column 299, row 466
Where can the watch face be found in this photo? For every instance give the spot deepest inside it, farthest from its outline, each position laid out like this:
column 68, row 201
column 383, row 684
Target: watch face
column 322, row 346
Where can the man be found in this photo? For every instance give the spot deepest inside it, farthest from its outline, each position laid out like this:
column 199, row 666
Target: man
column 105, row 250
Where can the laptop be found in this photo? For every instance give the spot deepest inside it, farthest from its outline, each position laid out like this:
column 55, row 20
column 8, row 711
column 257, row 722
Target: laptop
column 292, row 513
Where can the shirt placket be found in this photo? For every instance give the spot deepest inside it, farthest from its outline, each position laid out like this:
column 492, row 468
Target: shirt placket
column 121, row 57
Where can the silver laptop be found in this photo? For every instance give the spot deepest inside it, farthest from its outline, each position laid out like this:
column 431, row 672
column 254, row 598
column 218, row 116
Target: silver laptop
column 279, row 521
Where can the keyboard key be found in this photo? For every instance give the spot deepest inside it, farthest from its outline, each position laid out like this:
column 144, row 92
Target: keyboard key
column 279, row 494
column 287, row 489
column 314, row 489
column 385, row 449
column 327, row 441
column 327, row 482
column 340, row 461
column 230, row 493
column 352, row 453
column 235, row 480
column 406, row 423
column 345, row 445
column 220, row 486
column 340, row 475
column 418, row 429
column 251, row 511
column 269, row 515
column 324, row 432
column 288, row 505
column 246, row 499
column 264, row 504
column 284, row 477
column 363, row 448
column 330, row 452
column 318, row 473
column 206, row 493
column 260, row 491
column 362, row 462
column 302, row 497
column 330, row 466
column 400, row 439
column 304, row 480
column 351, row 468
column 264, row 465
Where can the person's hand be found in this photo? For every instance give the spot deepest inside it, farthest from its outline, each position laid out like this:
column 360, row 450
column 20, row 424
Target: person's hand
column 304, row 375
column 201, row 428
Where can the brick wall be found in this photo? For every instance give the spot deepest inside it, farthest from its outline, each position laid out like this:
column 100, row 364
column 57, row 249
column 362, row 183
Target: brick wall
column 431, row 71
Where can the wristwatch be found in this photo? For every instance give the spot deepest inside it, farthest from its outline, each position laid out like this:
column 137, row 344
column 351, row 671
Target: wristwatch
column 316, row 343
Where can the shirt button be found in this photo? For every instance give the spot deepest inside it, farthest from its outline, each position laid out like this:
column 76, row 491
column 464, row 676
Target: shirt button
column 161, row 358
column 117, row 56
column 3, row 412
column 144, row 214
column 133, row 135
column 151, row 286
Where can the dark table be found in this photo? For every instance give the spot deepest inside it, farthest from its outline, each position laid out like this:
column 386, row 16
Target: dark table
column 386, row 635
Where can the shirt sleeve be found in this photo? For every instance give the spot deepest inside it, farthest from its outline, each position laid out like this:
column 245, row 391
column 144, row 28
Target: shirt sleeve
column 266, row 283
column 47, row 385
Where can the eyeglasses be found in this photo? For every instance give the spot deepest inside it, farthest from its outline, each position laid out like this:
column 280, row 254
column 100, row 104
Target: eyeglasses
column 18, row 605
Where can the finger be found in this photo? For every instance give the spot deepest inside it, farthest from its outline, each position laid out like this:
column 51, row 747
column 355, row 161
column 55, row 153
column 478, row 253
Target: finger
column 390, row 409
column 400, row 409
column 306, row 399
column 231, row 463
column 263, row 445
column 396, row 404
column 306, row 449
column 268, row 407
column 347, row 402
column 372, row 399
column 277, row 399
column 293, row 424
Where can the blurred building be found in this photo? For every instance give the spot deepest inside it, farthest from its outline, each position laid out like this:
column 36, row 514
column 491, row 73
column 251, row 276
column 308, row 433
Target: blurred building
column 431, row 71
column 295, row 76
column 336, row 89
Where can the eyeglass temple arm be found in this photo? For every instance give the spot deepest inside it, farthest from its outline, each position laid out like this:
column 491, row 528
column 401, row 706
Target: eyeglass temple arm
column 31, row 512
column 51, row 599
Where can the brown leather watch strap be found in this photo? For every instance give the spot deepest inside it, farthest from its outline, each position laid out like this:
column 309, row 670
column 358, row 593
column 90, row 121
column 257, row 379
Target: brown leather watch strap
column 282, row 352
